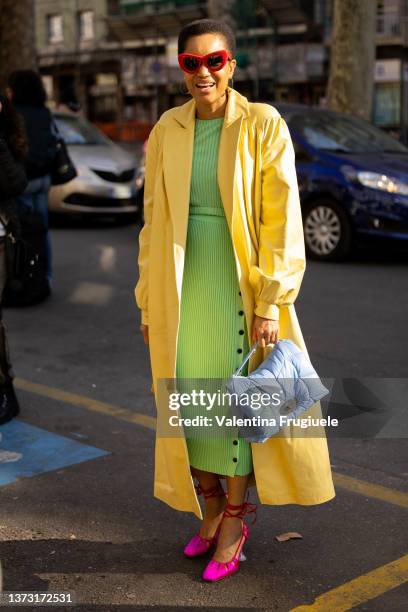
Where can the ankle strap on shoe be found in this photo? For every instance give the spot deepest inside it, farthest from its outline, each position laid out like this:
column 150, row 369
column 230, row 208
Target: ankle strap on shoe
column 216, row 491
column 240, row 511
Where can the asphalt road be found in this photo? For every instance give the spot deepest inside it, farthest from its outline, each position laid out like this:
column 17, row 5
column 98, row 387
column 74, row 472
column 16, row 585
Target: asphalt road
column 82, row 519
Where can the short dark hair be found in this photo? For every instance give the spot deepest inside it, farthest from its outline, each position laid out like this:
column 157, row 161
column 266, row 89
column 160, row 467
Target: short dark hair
column 27, row 88
column 206, row 26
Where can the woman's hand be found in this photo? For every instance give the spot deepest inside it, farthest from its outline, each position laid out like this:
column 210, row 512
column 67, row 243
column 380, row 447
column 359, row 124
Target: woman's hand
column 145, row 333
column 264, row 331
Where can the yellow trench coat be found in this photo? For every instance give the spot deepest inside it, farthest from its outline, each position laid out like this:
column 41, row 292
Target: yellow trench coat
column 258, row 186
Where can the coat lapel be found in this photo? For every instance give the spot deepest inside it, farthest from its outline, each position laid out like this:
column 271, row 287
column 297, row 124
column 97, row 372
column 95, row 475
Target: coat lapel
column 177, row 163
column 228, row 158
column 178, row 156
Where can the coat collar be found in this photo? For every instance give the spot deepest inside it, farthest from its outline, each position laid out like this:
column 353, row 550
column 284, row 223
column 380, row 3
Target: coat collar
column 237, row 106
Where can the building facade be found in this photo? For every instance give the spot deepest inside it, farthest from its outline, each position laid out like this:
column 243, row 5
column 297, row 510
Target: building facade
column 120, row 56
column 74, row 56
column 280, row 49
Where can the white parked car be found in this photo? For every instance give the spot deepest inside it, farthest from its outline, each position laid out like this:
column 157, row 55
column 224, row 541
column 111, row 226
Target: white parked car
column 109, row 179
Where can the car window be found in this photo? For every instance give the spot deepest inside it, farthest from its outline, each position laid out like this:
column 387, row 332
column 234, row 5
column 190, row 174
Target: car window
column 339, row 133
column 78, row 131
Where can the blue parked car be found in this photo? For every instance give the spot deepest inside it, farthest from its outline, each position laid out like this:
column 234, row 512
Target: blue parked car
column 353, row 180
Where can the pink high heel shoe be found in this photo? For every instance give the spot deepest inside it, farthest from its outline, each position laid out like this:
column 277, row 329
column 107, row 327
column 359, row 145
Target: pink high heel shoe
column 198, row 545
column 216, row 570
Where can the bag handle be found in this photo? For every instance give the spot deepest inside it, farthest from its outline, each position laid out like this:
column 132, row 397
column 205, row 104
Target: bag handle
column 246, row 358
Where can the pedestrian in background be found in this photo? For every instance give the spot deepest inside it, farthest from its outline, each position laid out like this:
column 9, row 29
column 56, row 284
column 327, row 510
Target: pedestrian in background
column 13, row 148
column 28, row 95
column 221, row 262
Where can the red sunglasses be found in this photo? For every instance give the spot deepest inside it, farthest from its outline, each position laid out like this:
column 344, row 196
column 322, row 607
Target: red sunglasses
column 191, row 63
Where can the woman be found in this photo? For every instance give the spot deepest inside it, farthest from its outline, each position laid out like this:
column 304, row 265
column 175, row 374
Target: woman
column 221, row 261
column 13, row 181
column 28, row 95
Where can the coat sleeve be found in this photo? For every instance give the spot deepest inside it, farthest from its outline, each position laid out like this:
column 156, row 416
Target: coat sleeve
column 141, row 289
column 277, row 278
column 13, row 180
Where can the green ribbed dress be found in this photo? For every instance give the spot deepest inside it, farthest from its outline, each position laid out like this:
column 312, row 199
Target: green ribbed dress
column 212, row 338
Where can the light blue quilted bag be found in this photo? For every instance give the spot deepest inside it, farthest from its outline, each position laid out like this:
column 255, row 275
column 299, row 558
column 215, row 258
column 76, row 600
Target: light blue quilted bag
column 288, row 383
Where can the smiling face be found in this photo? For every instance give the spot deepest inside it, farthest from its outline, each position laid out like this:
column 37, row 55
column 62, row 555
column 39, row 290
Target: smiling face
column 211, row 98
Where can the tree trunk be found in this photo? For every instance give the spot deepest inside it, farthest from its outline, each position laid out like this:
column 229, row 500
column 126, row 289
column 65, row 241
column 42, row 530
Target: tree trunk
column 351, row 79
column 17, row 38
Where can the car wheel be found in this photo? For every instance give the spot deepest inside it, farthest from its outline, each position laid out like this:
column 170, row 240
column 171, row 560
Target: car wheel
column 327, row 230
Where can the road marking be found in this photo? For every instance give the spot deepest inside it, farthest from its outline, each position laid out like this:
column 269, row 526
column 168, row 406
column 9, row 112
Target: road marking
column 391, row 496
column 37, row 451
column 361, row 589
column 87, row 402
column 107, row 258
column 95, row 294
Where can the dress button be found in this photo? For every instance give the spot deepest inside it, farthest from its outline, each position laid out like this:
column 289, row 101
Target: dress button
column 239, row 293
column 241, row 312
column 235, row 442
column 235, row 459
column 239, row 351
column 241, row 332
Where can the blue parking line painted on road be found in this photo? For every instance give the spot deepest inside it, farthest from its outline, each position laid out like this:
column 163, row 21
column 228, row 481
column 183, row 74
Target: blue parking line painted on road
column 26, row 450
